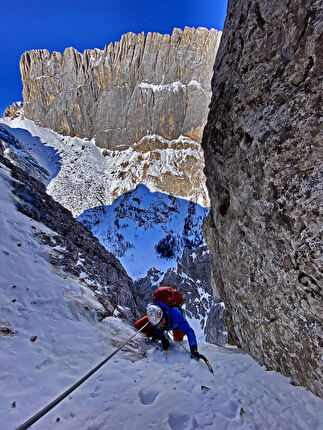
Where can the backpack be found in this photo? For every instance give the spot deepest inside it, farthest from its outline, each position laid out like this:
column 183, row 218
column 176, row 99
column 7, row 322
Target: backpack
column 169, row 296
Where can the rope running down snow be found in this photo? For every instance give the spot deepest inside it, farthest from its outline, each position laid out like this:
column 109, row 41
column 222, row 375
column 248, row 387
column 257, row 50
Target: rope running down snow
column 55, row 402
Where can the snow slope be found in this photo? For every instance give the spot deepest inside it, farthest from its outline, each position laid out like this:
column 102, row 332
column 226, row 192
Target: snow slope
column 133, row 391
column 45, row 155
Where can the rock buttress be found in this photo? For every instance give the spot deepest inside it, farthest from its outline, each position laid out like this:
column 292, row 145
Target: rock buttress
column 263, row 152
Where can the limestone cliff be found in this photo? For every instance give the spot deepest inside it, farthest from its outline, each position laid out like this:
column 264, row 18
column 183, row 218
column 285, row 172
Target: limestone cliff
column 263, row 151
column 143, row 100
column 143, row 85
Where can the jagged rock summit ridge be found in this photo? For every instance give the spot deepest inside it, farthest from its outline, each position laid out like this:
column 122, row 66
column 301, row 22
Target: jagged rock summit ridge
column 143, row 101
column 143, row 85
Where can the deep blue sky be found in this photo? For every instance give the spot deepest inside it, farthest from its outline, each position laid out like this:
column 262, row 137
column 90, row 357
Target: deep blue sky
column 87, row 24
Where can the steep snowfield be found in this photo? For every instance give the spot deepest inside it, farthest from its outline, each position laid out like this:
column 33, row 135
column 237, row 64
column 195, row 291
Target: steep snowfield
column 133, row 225
column 133, row 391
column 87, row 178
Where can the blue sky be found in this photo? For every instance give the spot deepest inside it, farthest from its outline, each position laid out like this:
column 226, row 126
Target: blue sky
column 84, row 24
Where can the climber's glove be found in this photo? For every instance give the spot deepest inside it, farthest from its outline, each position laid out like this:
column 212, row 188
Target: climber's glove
column 194, row 353
column 165, row 343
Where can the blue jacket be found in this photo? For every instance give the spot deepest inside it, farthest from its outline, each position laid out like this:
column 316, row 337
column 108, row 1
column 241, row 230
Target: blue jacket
column 175, row 319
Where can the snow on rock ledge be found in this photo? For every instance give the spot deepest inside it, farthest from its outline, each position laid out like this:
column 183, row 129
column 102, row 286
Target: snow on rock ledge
column 88, row 177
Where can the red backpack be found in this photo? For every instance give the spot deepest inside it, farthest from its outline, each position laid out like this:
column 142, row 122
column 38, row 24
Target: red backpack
column 169, row 296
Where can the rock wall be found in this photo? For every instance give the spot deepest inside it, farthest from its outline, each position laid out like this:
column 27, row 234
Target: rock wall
column 263, row 152
column 142, row 85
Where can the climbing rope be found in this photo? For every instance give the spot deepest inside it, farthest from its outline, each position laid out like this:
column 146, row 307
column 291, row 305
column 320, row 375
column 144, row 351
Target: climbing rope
column 55, row 402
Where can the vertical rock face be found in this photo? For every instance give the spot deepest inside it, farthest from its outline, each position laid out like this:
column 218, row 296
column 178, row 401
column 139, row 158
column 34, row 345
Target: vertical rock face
column 263, row 151
column 143, row 85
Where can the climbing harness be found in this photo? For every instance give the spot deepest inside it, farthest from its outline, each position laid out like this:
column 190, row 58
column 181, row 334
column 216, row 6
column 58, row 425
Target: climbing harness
column 55, row 402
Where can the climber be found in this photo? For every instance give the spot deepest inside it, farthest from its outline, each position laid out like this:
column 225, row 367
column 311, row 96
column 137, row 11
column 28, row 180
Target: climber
column 163, row 318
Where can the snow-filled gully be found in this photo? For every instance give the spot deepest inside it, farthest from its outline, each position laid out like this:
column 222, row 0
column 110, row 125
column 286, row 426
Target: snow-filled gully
column 45, row 348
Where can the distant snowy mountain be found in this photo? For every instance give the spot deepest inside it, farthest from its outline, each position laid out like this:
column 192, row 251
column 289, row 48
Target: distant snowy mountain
column 145, row 229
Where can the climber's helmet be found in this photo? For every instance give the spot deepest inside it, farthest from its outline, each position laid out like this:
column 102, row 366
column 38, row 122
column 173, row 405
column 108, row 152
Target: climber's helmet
column 154, row 313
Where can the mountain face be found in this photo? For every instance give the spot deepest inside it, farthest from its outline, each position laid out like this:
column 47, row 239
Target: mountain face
column 82, row 178
column 143, row 101
column 147, row 229
column 263, row 151
column 143, row 85
column 71, row 249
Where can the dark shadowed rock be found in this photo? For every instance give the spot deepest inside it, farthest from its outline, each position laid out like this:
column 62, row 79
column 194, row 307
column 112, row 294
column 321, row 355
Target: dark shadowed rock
column 263, row 152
